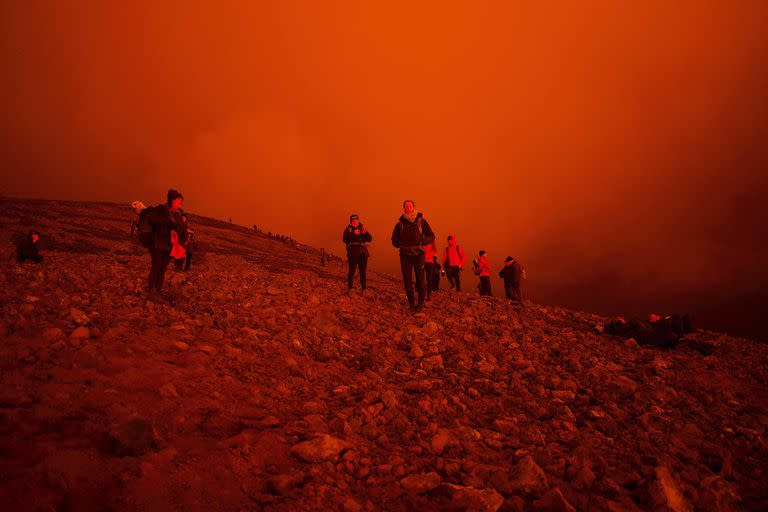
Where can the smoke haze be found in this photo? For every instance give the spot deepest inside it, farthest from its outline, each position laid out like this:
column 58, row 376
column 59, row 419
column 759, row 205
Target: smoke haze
column 618, row 151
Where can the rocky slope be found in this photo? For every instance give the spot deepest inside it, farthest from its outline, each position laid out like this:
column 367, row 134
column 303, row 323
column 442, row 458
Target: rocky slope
column 265, row 387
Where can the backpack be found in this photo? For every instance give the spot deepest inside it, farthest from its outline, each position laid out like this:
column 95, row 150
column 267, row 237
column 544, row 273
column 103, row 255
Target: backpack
column 144, row 228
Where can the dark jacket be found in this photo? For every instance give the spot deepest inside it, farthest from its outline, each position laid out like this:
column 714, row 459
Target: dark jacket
column 511, row 273
column 407, row 238
column 163, row 221
column 350, row 238
column 27, row 249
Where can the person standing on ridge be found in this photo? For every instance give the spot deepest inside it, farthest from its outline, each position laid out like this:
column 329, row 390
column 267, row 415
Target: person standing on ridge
column 453, row 262
column 164, row 220
column 483, row 269
column 512, row 273
column 356, row 238
column 410, row 235
column 430, row 260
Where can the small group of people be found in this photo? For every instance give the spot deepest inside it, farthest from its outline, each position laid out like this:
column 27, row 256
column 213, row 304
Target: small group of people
column 163, row 230
column 415, row 241
column 658, row 331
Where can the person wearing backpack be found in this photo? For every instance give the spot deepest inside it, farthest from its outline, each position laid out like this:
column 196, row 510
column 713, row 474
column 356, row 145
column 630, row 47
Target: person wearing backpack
column 453, row 262
column 356, row 238
column 157, row 226
column 410, row 235
column 512, row 273
column 483, row 269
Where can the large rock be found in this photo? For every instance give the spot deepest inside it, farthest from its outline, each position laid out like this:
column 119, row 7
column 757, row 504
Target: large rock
column 421, row 482
column 528, row 478
column 133, row 438
column 666, row 493
column 553, row 501
column 470, row 499
column 319, row 449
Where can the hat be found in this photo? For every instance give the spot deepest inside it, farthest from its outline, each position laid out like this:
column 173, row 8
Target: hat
column 508, row 258
column 353, row 217
column 174, row 194
column 482, row 252
column 451, row 237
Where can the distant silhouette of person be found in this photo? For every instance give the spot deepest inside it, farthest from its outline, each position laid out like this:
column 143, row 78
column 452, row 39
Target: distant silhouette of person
column 512, row 273
column 430, row 259
column 356, row 238
column 410, row 235
column 230, row 220
column 165, row 219
column 453, row 262
column 483, row 269
column 28, row 248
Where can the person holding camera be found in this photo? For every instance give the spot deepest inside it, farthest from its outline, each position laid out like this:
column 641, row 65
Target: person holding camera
column 356, row 238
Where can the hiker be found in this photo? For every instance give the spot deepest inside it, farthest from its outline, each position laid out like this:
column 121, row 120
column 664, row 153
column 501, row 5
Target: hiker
column 483, row 269
column 430, row 259
column 356, row 238
column 410, row 235
column 453, row 262
column 28, row 249
column 183, row 262
column 512, row 273
column 159, row 227
column 657, row 331
column 437, row 272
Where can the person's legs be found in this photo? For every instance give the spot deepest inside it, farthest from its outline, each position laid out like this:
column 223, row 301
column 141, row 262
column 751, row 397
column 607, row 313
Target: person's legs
column 188, row 260
column 406, row 267
column 363, row 264
column 163, row 259
column 421, row 285
column 430, row 275
column 152, row 278
column 353, row 257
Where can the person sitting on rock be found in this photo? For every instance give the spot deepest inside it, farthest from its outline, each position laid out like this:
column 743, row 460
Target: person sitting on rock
column 664, row 332
column 410, row 235
column 512, row 273
column 356, row 238
column 165, row 219
column 28, row 250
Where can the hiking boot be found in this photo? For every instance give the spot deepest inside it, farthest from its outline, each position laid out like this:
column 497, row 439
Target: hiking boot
column 419, row 308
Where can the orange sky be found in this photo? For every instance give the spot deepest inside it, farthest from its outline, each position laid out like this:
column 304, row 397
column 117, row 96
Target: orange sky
column 619, row 152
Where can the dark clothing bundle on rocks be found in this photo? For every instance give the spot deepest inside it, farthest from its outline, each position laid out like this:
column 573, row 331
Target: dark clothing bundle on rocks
column 410, row 237
column 665, row 332
column 28, row 250
column 356, row 239
column 513, row 277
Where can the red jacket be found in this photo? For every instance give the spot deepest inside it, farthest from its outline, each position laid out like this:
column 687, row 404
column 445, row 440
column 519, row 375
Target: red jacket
column 454, row 256
column 430, row 251
column 484, row 266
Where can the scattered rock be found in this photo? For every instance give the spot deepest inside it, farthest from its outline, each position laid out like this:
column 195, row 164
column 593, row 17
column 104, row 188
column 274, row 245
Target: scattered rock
column 666, row 493
column 421, row 482
column 528, row 478
column 322, row 447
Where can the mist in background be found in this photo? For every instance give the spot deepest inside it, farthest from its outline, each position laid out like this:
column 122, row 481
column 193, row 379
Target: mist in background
column 618, row 151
